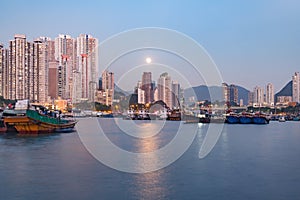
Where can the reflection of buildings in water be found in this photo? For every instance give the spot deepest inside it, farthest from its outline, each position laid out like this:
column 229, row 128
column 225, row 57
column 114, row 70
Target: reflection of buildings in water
column 224, row 142
column 150, row 185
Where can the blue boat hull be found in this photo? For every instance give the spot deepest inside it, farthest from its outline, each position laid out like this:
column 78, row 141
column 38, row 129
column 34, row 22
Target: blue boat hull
column 260, row 120
column 232, row 119
column 245, row 120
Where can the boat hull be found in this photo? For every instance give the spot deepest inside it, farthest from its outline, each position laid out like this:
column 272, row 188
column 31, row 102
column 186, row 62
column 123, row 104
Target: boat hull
column 246, row 120
column 204, row 120
column 25, row 125
column 232, row 119
column 260, row 120
column 3, row 127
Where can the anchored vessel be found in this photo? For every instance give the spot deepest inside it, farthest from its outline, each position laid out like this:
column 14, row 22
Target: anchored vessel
column 247, row 118
column 33, row 121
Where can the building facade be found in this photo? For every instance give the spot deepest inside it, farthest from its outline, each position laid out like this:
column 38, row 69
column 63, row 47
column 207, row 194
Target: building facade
column 141, row 96
column 284, row 100
column 250, row 98
column 270, row 94
column 165, row 89
column 230, row 93
column 296, row 87
column 65, row 54
column 105, row 94
column 48, row 69
column 147, row 87
column 175, row 94
column 258, row 96
column 24, row 70
column 16, row 71
column 226, row 92
column 3, row 71
column 85, row 74
column 233, row 94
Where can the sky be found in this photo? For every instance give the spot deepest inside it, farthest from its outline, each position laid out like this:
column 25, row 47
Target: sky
column 251, row 42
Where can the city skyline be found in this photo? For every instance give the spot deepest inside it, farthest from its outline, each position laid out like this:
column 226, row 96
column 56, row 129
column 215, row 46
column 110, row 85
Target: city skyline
column 30, row 61
column 258, row 38
column 44, row 70
column 57, row 58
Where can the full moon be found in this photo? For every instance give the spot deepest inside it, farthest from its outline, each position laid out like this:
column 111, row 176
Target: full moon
column 148, row 60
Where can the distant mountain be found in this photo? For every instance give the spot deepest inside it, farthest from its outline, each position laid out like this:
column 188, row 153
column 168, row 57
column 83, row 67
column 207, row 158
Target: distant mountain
column 202, row 93
column 243, row 94
column 119, row 90
column 213, row 93
column 287, row 90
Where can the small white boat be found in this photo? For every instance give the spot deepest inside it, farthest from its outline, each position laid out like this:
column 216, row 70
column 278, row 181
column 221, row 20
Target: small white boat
column 281, row 119
column 163, row 115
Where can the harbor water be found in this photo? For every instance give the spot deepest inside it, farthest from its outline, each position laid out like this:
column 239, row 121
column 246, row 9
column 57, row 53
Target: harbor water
column 247, row 162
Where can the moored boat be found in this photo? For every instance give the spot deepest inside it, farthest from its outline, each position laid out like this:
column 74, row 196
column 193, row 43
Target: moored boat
column 33, row 122
column 174, row 115
column 246, row 118
column 163, row 115
column 260, row 118
column 205, row 119
column 3, row 127
column 297, row 118
column 281, row 119
column 204, row 116
column 232, row 119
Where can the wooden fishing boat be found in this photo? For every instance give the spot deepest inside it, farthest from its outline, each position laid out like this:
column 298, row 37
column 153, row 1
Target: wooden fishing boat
column 33, row 122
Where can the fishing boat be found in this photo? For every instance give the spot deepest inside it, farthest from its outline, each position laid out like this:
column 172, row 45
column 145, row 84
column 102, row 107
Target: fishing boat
column 232, row 118
column 260, row 118
column 3, row 127
column 174, row 115
column 281, row 119
column 297, row 118
column 204, row 116
column 33, row 121
column 163, row 115
column 204, row 119
column 246, row 118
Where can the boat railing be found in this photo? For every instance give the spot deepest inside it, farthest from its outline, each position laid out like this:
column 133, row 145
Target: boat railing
column 43, row 118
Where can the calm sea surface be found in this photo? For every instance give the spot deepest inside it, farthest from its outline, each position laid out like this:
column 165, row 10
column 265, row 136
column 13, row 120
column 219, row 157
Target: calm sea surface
column 248, row 162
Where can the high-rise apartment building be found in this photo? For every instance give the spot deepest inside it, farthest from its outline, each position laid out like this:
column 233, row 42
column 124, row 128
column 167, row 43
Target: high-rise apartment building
column 226, row 94
column 3, row 70
column 296, row 87
column 108, row 80
column 53, row 65
column 25, row 72
column 85, row 79
column 258, row 96
column 41, row 68
column 17, row 70
column 147, row 86
column 105, row 94
column 65, row 54
column 45, row 69
column 155, row 94
column 233, row 94
column 141, row 96
column 230, row 93
column 270, row 94
column 164, row 89
column 140, row 93
column 2, row 50
column 250, row 98
column 175, row 94
column 53, row 79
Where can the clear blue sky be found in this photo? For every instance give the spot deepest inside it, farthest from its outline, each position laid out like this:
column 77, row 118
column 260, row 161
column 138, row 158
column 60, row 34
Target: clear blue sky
column 252, row 42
